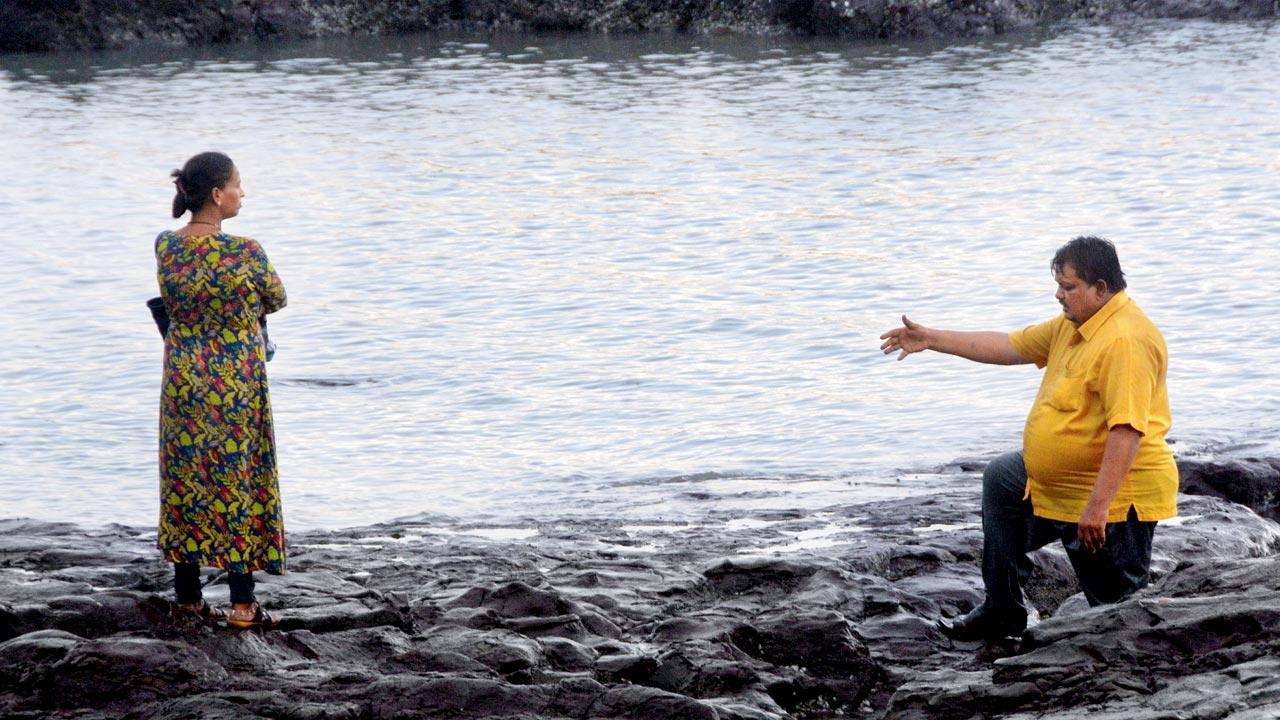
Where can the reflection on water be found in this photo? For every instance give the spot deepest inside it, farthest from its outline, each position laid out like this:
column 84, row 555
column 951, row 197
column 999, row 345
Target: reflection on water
column 630, row 276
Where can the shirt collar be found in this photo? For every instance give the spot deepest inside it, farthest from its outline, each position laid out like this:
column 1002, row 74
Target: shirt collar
column 1117, row 301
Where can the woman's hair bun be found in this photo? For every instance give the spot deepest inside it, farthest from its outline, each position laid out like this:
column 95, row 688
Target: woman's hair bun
column 197, row 179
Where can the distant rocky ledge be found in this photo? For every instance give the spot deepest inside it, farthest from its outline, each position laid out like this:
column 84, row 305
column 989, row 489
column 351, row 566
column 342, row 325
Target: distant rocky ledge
column 775, row 615
column 38, row 26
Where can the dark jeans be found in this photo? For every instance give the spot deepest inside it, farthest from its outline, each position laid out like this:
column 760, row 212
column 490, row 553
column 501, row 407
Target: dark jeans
column 186, row 585
column 1010, row 531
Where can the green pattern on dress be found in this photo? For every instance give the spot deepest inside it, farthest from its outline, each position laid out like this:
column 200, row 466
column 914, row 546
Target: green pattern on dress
column 219, row 494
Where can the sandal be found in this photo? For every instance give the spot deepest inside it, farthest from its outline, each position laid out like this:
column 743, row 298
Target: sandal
column 261, row 619
column 205, row 612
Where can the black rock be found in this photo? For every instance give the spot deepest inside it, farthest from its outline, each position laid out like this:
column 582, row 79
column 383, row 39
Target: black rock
column 706, row 622
column 36, row 26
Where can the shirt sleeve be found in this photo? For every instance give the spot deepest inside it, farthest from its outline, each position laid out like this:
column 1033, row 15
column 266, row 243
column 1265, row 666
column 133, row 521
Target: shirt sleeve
column 1126, row 381
column 1033, row 341
column 270, row 287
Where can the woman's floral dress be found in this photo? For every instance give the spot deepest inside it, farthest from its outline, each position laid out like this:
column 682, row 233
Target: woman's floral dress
column 219, row 496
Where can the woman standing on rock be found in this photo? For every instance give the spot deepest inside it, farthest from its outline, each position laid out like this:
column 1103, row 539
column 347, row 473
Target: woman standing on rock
column 219, row 497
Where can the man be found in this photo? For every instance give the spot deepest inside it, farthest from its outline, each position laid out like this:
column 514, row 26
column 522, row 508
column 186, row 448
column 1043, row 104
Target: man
column 1094, row 471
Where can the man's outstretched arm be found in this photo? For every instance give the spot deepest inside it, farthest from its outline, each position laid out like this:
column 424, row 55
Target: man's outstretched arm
column 986, row 347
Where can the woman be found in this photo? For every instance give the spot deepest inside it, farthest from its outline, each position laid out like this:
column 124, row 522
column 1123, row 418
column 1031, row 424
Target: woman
column 219, row 497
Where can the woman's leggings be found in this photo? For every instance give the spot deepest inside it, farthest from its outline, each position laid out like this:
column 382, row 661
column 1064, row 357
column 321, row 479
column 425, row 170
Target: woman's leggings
column 186, row 585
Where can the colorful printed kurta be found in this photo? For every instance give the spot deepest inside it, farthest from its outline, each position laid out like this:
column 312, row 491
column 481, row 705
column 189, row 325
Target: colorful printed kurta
column 219, row 497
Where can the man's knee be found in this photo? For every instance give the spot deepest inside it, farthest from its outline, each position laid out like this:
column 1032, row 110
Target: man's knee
column 1005, row 478
column 1123, row 565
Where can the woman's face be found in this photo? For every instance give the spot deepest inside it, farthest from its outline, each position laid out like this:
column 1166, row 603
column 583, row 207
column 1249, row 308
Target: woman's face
column 229, row 197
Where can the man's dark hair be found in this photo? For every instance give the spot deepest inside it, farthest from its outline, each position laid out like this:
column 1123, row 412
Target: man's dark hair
column 1093, row 259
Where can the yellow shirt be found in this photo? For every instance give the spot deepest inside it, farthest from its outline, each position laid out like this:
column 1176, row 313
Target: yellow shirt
column 1108, row 371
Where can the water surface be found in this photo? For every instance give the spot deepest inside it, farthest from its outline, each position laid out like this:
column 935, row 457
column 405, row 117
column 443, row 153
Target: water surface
column 631, row 276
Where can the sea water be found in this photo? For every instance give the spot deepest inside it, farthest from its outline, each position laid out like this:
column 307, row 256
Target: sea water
column 643, row 277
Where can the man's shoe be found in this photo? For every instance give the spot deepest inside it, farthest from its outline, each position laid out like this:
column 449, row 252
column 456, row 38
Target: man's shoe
column 985, row 624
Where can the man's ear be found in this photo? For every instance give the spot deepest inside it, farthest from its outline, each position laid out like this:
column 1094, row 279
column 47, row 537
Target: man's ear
column 1101, row 286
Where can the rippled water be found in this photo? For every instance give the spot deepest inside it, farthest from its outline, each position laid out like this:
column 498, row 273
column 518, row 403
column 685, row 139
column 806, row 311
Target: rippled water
column 632, row 276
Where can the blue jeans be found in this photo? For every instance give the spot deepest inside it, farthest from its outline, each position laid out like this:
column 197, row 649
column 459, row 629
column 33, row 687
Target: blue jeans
column 186, row 585
column 1010, row 531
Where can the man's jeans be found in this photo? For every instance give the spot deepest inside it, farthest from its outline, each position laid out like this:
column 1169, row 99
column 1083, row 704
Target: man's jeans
column 1010, row 531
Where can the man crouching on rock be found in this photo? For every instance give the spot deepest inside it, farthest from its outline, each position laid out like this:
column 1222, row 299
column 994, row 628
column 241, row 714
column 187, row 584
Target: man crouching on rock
column 1094, row 470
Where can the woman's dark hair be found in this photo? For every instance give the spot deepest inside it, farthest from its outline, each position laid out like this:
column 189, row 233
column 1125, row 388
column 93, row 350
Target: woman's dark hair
column 197, row 179
column 1093, row 259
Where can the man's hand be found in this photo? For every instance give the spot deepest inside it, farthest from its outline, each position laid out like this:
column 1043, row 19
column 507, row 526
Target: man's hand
column 986, row 347
column 910, row 338
column 1092, row 529
column 1117, row 459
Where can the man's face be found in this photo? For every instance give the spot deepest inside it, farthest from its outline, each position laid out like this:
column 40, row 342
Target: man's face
column 1079, row 300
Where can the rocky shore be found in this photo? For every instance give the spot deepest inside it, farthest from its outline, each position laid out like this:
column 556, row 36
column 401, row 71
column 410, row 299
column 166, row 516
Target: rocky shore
column 38, row 26
column 776, row 614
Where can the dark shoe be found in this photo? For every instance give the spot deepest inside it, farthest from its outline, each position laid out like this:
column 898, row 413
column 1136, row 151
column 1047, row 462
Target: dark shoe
column 985, row 624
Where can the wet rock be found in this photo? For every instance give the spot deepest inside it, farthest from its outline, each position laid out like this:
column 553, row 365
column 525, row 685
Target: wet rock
column 908, row 560
column 411, row 696
column 566, row 626
column 1207, row 9
column 1141, row 646
column 953, row 590
column 91, row 615
column 422, row 661
column 901, row 637
column 477, row 618
column 25, row 659
column 954, row 694
column 626, row 668
column 11, row 625
column 251, row 653
column 539, row 612
column 704, row 625
column 644, row 703
column 704, row 669
column 1209, row 529
column 837, row 671
column 1192, row 645
column 758, row 575
column 36, row 26
column 1254, row 483
column 27, row 587
column 819, row 641
column 362, row 647
column 206, row 707
column 340, row 616
column 565, row 654
column 118, row 671
column 1053, row 580
column 505, row 652
column 417, row 620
